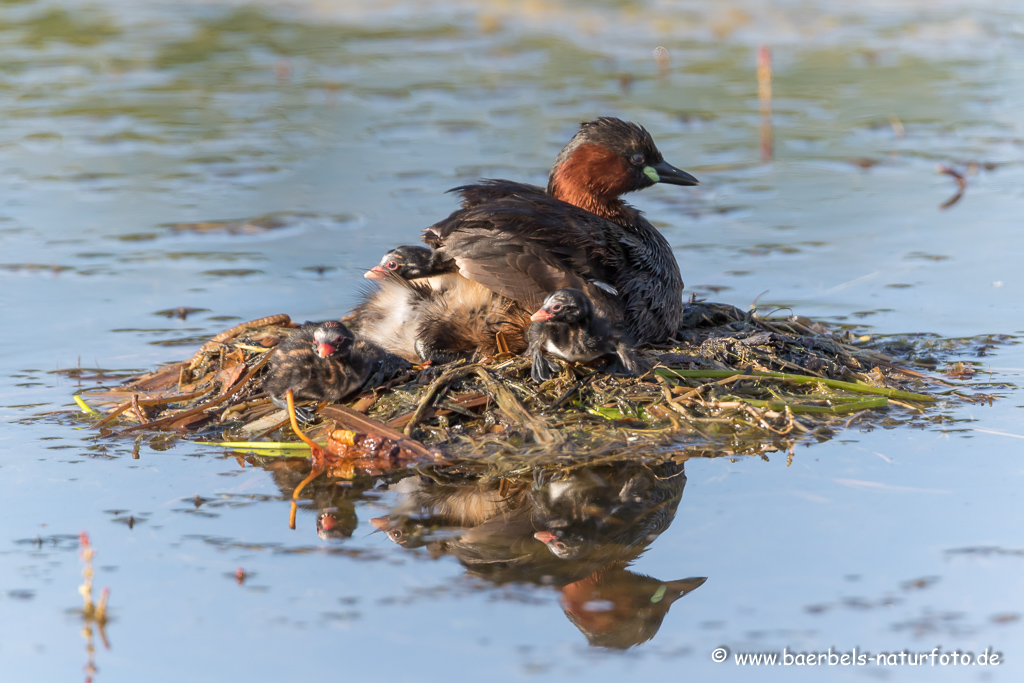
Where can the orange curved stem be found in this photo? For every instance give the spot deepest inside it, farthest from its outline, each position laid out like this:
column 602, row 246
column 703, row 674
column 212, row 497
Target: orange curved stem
column 318, row 468
column 295, row 424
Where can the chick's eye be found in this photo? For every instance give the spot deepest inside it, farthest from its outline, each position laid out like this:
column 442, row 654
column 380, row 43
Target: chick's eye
column 392, row 265
column 638, row 159
column 555, row 308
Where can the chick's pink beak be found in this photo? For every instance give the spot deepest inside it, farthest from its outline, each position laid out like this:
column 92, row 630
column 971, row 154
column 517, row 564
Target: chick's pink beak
column 325, row 350
column 375, row 273
column 541, row 316
column 544, row 536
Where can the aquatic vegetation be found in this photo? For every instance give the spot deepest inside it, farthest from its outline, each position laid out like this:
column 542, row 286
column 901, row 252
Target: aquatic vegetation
column 729, row 383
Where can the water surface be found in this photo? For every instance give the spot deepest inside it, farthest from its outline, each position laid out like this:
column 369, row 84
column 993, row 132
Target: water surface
column 247, row 159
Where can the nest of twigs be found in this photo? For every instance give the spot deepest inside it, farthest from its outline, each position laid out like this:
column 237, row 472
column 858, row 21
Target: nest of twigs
column 730, row 380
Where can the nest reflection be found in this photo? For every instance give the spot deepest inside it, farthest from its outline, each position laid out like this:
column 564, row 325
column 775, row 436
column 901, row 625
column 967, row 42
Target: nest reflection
column 576, row 530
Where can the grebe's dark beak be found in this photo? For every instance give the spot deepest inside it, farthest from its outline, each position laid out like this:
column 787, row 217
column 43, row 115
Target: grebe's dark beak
column 667, row 173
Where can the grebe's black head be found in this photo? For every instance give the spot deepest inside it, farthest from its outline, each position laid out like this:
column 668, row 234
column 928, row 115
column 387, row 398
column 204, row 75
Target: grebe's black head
column 565, row 306
column 332, row 340
column 408, row 262
column 609, row 157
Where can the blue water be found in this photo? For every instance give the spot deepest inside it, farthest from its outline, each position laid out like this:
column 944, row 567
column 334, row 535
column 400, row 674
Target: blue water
column 348, row 124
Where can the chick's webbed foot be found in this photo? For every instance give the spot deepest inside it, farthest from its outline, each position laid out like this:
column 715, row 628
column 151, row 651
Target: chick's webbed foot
column 543, row 369
column 428, row 352
column 626, row 362
column 304, row 414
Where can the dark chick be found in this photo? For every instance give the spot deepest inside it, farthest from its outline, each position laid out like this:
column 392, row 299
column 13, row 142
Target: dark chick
column 522, row 242
column 415, row 264
column 321, row 362
column 567, row 326
column 407, row 278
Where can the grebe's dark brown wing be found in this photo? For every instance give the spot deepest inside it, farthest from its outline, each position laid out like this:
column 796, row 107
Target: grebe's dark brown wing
column 522, row 243
column 491, row 189
column 520, row 270
column 483, row 193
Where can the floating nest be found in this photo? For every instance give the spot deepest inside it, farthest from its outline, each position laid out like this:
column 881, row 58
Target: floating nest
column 731, row 382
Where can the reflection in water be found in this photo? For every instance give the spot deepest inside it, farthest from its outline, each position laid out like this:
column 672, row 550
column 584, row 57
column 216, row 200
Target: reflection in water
column 577, row 530
column 335, row 522
column 617, row 608
column 130, row 127
column 93, row 613
column 605, row 509
column 336, row 519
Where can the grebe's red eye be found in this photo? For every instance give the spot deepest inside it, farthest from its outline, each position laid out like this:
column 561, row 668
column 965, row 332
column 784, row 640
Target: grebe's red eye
column 555, row 308
column 392, row 265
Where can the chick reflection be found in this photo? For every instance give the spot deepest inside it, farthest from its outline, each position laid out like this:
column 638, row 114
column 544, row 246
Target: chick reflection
column 607, row 510
column 336, row 519
column 577, row 530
